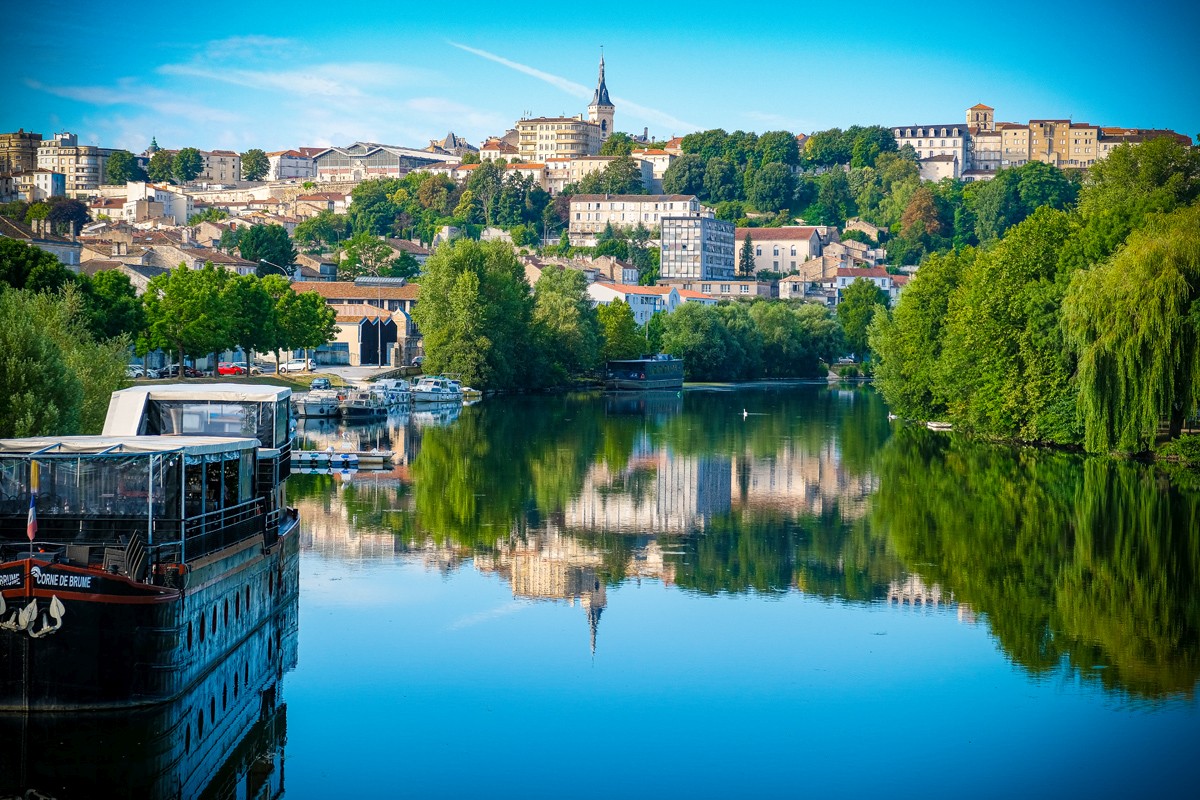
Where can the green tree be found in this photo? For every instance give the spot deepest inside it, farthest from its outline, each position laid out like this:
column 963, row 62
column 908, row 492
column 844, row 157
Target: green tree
column 185, row 312
column 251, row 311
column 67, row 215
column 618, row 144
column 908, row 342
column 303, row 319
column 24, row 266
column 720, row 181
column 485, row 184
column 255, row 164
column 827, row 148
column 209, row 214
column 697, row 334
column 746, row 257
column 162, row 167
column 187, row 164
column 835, row 203
column 778, row 147
column 565, row 323
column 623, row 175
column 475, row 314
column 869, row 143
column 772, row 188
column 121, row 167
column 622, row 338
column 859, row 303
column 1135, row 321
column 269, row 243
column 323, row 230
column 42, row 395
column 115, row 309
column 685, row 175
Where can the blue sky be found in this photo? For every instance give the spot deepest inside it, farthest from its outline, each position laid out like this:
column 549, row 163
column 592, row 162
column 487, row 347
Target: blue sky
column 280, row 75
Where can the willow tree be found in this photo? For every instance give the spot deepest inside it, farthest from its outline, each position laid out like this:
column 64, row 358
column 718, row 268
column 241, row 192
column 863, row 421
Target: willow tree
column 1135, row 322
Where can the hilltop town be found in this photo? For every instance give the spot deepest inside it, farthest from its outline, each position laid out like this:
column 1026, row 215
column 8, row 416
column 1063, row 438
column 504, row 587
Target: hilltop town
column 700, row 218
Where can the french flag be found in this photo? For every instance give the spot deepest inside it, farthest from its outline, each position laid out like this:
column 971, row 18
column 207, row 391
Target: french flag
column 31, row 522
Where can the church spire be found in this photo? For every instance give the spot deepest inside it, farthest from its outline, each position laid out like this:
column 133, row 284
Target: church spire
column 600, row 98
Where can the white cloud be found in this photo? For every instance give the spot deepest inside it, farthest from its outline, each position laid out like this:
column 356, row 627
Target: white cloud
column 128, row 93
column 637, row 110
column 488, row 615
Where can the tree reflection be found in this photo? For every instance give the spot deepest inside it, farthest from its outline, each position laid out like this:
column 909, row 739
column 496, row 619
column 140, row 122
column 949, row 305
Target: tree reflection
column 1088, row 562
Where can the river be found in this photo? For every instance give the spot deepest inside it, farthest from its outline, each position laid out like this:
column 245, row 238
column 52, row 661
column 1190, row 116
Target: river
column 751, row 591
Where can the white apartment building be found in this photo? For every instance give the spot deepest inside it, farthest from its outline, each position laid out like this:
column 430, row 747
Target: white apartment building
column 176, row 204
column 935, row 140
column 659, row 160
column 290, row 164
column 591, row 213
column 541, row 138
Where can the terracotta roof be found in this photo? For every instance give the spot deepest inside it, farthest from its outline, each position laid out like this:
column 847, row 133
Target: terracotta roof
column 357, row 312
column 790, row 233
column 338, row 290
column 407, row 246
column 627, row 289
column 980, row 107
column 650, row 153
column 692, row 294
column 526, row 166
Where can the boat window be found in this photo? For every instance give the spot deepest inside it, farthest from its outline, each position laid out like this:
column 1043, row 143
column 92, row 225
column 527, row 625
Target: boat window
column 194, row 490
column 280, row 424
column 212, row 486
column 93, row 485
column 246, row 474
column 232, row 482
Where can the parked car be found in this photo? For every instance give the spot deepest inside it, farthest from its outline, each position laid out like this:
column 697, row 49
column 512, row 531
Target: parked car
column 173, row 371
column 320, row 383
column 297, row 365
column 226, row 368
column 135, row 371
column 418, row 361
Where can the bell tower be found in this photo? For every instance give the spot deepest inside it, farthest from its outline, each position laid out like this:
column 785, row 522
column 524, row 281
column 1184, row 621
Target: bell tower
column 601, row 110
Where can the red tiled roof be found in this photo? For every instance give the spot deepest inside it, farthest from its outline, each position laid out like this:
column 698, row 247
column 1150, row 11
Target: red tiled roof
column 980, row 107
column 791, row 232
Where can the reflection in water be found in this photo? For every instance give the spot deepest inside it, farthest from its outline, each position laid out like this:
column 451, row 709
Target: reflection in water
column 1071, row 562
column 223, row 738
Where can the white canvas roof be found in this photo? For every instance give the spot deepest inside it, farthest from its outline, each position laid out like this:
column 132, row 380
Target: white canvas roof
column 127, row 406
column 91, row 445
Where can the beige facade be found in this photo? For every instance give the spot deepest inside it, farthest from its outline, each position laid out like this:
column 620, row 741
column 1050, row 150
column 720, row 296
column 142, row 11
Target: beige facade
column 541, row 138
column 658, row 160
column 220, row 166
column 780, row 249
column 19, row 152
column 1015, row 144
column 1063, row 143
column 494, row 149
column 934, row 140
column 81, row 165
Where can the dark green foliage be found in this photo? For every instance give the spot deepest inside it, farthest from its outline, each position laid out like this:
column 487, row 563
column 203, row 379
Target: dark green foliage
column 269, row 243
column 162, row 167
column 859, row 303
column 254, row 165
column 685, row 175
column 476, row 314
column 67, row 215
column 187, row 165
column 746, row 257
column 122, row 167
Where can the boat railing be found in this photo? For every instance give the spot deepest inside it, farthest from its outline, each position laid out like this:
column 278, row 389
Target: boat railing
column 206, row 533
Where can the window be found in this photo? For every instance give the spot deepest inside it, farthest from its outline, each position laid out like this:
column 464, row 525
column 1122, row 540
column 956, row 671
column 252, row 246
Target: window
column 745, row 288
column 706, row 287
column 725, row 288
column 758, row 251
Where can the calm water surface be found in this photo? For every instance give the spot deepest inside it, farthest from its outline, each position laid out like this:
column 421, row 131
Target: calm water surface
column 751, row 592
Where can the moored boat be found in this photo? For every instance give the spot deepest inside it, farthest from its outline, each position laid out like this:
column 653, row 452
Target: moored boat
column 395, row 391
column 133, row 562
column 318, row 403
column 363, row 404
column 638, row 374
column 436, row 389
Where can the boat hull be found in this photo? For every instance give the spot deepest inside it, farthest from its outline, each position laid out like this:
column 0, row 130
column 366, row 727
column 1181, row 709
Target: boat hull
column 120, row 643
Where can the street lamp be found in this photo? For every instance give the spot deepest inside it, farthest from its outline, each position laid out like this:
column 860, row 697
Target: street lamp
column 276, row 266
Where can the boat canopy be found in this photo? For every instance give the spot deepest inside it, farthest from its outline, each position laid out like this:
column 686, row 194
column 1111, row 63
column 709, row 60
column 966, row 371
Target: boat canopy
column 203, row 409
column 93, row 477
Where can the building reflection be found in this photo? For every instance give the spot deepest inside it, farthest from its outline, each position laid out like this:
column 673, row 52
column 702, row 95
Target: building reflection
column 799, row 480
